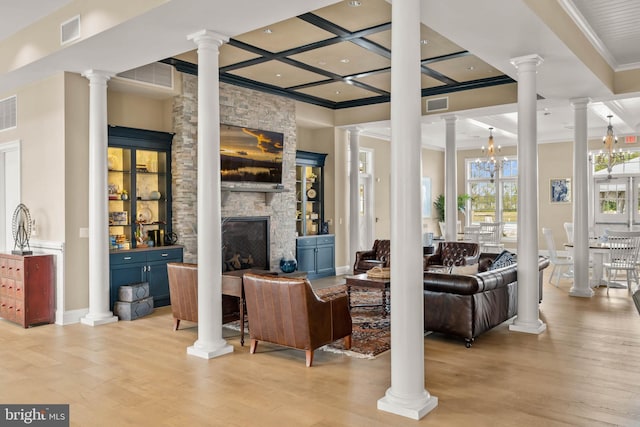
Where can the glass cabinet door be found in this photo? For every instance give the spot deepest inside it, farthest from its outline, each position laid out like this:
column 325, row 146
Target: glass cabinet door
column 121, row 221
column 309, row 193
column 151, row 193
column 139, row 187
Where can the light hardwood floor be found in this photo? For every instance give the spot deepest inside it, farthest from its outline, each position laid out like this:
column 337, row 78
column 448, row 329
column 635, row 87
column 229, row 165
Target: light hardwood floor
column 584, row 370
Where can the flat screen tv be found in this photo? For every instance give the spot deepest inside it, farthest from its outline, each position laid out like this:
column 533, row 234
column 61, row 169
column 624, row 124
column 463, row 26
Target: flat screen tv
column 250, row 155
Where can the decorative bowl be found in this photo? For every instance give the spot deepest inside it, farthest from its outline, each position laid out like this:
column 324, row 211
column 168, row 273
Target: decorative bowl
column 288, row 265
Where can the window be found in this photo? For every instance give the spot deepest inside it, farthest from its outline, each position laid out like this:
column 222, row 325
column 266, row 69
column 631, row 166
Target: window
column 494, row 200
column 617, row 199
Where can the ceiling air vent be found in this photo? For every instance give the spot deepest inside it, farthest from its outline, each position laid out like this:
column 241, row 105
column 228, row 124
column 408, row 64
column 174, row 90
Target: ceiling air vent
column 156, row 73
column 70, row 30
column 437, row 104
column 8, row 113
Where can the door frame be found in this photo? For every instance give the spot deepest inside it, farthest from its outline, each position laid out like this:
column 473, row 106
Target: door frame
column 10, row 189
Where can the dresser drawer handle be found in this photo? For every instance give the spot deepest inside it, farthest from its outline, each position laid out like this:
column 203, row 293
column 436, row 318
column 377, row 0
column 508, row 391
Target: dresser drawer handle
column 127, row 258
column 165, row 254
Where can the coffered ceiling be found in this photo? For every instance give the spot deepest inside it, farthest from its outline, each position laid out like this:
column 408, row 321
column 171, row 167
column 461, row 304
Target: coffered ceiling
column 468, row 44
column 340, row 56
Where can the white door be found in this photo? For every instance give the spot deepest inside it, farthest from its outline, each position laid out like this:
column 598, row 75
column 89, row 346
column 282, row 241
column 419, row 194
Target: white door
column 365, row 199
column 9, row 191
column 366, row 214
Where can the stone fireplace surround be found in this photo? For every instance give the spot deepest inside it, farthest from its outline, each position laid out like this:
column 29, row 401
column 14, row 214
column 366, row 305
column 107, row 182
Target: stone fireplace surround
column 240, row 107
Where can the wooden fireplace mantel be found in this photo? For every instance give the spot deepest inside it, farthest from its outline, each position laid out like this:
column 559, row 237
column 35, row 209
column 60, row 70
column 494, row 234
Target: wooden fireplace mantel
column 227, row 189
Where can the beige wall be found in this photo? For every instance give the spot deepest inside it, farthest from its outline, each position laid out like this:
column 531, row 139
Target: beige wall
column 381, row 185
column 76, row 122
column 139, row 111
column 40, row 130
column 433, row 167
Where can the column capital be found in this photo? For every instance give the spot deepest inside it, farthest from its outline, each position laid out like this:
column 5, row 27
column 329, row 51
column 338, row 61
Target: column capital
column 95, row 76
column 208, row 38
column 533, row 59
column 448, row 118
column 354, row 130
column 580, row 102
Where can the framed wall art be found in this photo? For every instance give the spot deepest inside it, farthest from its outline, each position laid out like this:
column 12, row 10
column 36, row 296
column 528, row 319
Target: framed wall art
column 560, row 190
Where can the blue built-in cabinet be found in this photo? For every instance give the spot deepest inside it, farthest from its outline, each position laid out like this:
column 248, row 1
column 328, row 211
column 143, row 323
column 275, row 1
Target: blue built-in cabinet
column 317, row 255
column 143, row 265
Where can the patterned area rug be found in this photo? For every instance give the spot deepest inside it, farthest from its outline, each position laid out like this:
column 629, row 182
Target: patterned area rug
column 371, row 331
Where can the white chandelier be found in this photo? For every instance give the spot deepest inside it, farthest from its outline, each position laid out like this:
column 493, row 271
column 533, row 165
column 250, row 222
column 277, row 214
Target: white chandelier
column 610, row 157
column 489, row 163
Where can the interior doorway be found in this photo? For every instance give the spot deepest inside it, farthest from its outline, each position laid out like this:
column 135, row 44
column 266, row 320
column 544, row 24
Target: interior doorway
column 365, row 200
column 9, row 190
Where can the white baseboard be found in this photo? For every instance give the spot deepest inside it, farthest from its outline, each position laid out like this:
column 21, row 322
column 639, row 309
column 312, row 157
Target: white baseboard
column 72, row 316
column 342, row 270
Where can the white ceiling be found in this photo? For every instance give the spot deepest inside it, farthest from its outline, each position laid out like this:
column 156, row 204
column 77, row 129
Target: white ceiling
column 494, row 30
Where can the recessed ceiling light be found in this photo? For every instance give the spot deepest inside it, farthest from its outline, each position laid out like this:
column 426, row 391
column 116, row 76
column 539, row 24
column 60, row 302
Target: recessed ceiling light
column 471, row 68
column 424, row 41
column 337, row 92
column 354, row 3
column 267, row 31
column 344, row 60
column 278, row 75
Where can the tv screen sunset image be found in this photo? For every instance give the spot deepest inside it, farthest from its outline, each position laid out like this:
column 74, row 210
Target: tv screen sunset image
column 250, row 155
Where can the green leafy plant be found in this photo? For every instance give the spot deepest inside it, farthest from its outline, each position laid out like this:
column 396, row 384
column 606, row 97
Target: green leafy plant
column 439, row 204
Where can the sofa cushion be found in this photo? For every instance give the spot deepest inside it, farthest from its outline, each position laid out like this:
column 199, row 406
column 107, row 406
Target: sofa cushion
column 504, row 259
column 465, row 270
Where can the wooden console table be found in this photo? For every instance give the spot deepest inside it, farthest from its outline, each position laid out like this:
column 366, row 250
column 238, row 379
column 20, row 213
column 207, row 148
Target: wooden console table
column 363, row 281
column 232, row 285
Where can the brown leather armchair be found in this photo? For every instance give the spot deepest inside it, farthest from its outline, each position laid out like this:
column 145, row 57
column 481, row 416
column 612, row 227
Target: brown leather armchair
column 378, row 256
column 449, row 254
column 285, row 311
column 183, row 292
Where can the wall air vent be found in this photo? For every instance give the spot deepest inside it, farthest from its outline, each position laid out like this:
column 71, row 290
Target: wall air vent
column 157, row 74
column 70, row 30
column 437, row 104
column 8, row 113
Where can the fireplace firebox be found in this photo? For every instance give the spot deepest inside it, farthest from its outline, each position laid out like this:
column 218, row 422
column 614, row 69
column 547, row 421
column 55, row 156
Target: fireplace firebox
column 245, row 243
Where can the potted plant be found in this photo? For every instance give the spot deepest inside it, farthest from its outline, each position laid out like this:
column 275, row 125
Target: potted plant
column 440, row 203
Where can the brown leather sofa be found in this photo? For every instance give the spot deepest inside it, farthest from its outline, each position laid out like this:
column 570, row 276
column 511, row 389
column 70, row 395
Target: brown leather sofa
column 285, row 311
column 449, row 254
column 468, row 305
column 378, row 256
column 183, row 292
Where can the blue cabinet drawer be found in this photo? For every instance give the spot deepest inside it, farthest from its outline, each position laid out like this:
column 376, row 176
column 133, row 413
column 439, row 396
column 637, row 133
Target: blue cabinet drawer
column 164, row 254
column 127, row 258
column 326, row 240
column 306, row 242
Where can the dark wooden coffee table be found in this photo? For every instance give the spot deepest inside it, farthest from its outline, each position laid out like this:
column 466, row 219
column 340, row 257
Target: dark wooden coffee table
column 363, row 281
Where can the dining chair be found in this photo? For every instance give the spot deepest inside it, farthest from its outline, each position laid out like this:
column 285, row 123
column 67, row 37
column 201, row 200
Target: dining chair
column 472, row 233
column 559, row 263
column 568, row 228
column 624, row 247
column 490, row 236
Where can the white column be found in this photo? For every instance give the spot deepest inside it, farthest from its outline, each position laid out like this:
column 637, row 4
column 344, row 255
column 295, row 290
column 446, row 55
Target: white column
column 580, row 197
column 450, row 180
column 99, row 312
column 354, row 193
column 210, row 342
column 528, row 313
column 407, row 395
